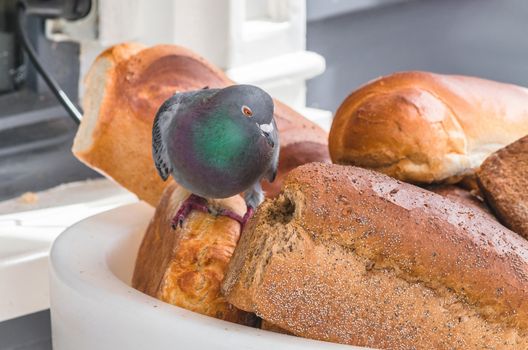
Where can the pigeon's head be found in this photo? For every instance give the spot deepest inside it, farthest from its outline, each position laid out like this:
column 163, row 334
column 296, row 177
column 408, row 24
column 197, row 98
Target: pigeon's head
column 251, row 106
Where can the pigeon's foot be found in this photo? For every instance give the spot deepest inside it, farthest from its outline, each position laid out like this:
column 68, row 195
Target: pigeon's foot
column 249, row 213
column 230, row 214
column 194, row 202
column 241, row 220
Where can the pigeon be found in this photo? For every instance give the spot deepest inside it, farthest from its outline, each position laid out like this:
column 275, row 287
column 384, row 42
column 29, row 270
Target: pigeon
column 217, row 143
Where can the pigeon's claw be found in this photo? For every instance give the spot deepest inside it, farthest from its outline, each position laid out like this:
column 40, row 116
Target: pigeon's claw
column 194, row 202
column 230, row 214
column 242, row 220
column 249, row 213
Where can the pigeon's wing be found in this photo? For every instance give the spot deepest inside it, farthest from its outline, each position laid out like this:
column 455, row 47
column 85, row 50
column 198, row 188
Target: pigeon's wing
column 169, row 110
column 272, row 170
column 159, row 150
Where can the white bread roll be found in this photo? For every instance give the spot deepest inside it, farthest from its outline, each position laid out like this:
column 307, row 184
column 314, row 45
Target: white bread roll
column 422, row 127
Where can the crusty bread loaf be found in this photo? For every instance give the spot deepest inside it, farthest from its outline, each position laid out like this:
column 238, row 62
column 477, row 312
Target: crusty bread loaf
column 503, row 179
column 124, row 89
column 462, row 196
column 422, row 127
column 267, row 326
column 185, row 267
column 349, row 255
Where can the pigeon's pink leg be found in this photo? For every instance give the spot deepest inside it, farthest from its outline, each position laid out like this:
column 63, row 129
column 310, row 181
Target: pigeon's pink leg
column 241, row 220
column 194, row 202
column 230, row 214
column 247, row 216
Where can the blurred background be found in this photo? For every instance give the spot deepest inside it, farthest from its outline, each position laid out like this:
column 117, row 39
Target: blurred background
column 362, row 40
column 309, row 53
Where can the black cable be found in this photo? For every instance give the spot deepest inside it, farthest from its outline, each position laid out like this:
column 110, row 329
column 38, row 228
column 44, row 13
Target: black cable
column 74, row 112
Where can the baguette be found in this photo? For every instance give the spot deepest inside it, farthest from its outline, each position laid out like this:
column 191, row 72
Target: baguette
column 422, row 127
column 124, row 89
column 185, row 267
column 352, row 256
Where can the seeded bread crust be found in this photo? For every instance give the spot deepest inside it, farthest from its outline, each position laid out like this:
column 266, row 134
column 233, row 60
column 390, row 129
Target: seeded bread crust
column 352, row 256
column 462, row 196
column 503, row 179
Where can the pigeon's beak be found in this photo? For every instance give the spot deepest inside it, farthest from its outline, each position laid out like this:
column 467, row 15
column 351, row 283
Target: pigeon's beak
column 266, row 130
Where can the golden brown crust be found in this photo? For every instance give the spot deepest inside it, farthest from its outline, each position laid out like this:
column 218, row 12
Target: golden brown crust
column 462, row 196
column 185, row 267
column 267, row 326
column 352, row 256
column 136, row 84
column 423, row 127
column 503, row 179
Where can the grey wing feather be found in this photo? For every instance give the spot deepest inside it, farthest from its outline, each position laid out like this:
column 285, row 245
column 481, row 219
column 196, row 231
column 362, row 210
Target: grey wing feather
column 168, row 110
column 159, row 151
column 272, row 170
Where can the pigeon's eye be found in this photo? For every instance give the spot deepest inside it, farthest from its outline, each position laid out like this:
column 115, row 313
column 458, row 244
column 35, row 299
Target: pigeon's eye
column 247, row 111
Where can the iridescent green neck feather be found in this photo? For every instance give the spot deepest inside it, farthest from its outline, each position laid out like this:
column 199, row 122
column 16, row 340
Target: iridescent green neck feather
column 219, row 141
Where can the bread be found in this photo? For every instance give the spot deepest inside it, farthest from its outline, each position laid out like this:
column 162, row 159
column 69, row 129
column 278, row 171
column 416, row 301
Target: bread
column 503, row 179
column 462, row 196
column 124, row 89
column 352, row 256
column 422, row 127
column 185, row 267
column 265, row 325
